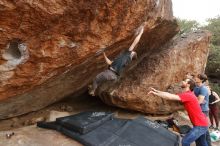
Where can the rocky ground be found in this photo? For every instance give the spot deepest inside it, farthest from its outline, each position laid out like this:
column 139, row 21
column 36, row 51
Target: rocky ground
column 27, row 134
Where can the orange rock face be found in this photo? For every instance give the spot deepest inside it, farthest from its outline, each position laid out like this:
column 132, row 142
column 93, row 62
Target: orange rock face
column 48, row 48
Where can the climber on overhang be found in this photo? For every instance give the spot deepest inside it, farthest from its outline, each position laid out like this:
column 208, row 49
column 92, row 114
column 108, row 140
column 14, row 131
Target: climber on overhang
column 116, row 67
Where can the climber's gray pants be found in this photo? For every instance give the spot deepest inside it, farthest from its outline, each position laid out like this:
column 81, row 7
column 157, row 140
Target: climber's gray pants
column 104, row 76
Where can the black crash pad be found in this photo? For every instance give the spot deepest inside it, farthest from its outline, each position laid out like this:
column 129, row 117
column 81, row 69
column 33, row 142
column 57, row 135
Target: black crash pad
column 120, row 132
column 85, row 121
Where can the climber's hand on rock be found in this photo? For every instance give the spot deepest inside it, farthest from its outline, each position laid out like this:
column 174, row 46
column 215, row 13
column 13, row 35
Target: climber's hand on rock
column 100, row 51
column 140, row 29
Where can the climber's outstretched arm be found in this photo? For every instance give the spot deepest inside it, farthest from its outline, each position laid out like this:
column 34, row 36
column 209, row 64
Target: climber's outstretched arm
column 136, row 40
column 108, row 61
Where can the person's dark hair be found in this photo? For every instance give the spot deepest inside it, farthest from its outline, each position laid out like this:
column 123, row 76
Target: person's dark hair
column 192, row 84
column 202, row 77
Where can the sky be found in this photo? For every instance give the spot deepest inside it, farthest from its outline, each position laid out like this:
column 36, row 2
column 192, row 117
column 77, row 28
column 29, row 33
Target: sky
column 198, row 10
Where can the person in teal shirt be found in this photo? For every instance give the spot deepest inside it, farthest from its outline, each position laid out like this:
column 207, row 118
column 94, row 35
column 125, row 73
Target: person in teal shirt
column 201, row 92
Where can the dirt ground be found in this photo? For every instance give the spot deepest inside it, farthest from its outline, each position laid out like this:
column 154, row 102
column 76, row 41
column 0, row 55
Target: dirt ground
column 83, row 103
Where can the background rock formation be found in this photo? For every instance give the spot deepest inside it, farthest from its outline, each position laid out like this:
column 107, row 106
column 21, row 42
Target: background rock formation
column 161, row 70
column 48, row 48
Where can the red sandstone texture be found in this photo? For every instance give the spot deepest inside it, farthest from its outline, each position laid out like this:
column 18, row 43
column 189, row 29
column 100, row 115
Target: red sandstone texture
column 48, row 48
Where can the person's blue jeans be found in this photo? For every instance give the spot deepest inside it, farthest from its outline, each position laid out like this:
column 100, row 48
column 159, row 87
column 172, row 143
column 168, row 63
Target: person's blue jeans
column 208, row 138
column 197, row 134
